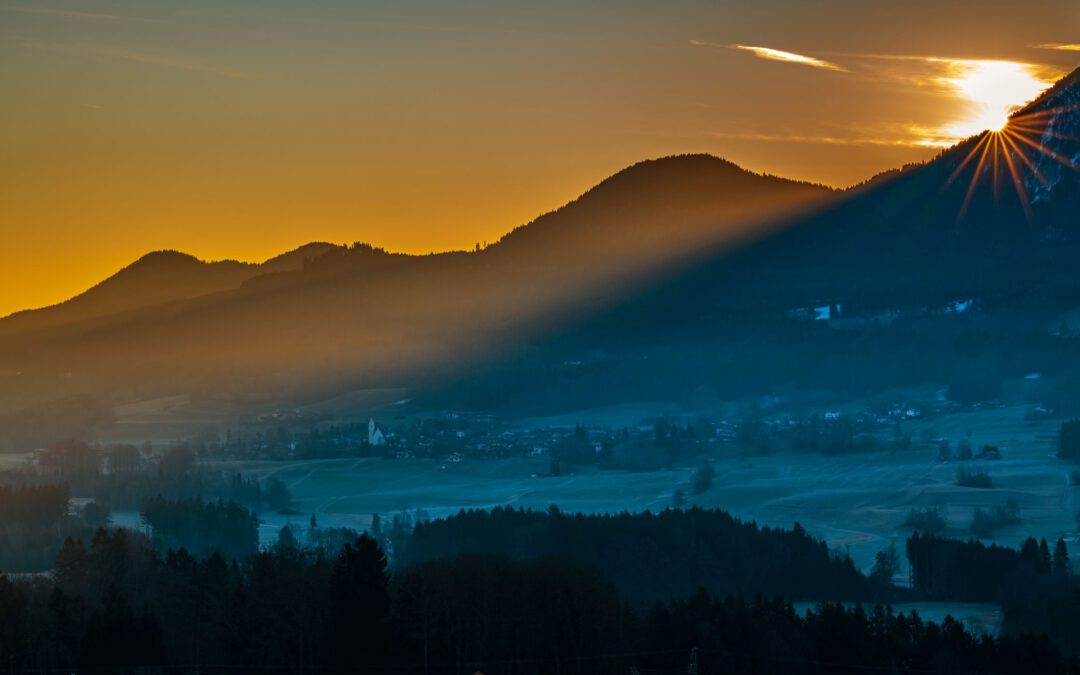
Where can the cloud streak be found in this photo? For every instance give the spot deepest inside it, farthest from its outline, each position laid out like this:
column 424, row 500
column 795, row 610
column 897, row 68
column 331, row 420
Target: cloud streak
column 1075, row 47
column 771, row 54
column 911, row 140
column 986, row 91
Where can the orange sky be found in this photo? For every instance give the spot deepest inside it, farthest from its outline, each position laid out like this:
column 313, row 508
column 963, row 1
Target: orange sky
column 229, row 129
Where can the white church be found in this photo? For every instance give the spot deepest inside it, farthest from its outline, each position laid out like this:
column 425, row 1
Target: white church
column 375, row 435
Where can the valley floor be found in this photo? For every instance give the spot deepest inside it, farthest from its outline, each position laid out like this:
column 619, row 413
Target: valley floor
column 855, row 502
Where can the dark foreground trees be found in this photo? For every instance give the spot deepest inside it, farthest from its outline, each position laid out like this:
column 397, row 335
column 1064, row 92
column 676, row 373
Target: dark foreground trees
column 30, row 519
column 652, row 556
column 117, row 607
column 970, row 571
column 203, row 527
column 114, row 604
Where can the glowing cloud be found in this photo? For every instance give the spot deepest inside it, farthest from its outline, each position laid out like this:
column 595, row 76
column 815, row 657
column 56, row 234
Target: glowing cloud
column 993, row 90
column 789, row 57
column 986, row 92
column 1060, row 47
column 777, row 55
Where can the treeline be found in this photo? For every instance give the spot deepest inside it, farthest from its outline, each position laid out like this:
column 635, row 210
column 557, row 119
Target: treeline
column 32, row 523
column 1056, row 615
column 120, row 476
column 221, row 527
column 970, row 571
column 651, row 556
column 115, row 605
column 36, row 518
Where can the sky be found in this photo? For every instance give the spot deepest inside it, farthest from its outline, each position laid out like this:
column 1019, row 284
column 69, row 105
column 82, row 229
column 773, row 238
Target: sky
column 243, row 129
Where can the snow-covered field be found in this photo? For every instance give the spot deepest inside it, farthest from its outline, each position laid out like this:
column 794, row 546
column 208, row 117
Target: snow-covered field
column 855, row 502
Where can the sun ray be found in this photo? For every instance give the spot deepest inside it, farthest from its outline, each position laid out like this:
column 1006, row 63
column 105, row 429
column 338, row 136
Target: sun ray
column 967, row 160
column 1045, row 150
column 1031, row 122
column 996, row 152
column 975, row 178
column 1011, row 151
column 1042, row 131
column 1006, row 138
column 1020, row 191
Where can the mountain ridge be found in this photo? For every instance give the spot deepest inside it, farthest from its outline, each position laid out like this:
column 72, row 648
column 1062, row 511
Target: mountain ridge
column 155, row 267
column 633, row 266
column 360, row 312
column 156, row 277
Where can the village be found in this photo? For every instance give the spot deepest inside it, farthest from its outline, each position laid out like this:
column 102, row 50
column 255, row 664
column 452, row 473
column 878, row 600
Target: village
column 650, row 443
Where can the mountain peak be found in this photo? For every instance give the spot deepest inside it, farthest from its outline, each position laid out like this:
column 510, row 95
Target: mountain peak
column 668, row 203
column 166, row 258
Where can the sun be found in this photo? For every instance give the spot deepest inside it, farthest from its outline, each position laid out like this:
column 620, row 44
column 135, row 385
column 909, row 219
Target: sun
column 992, row 90
column 997, row 122
column 1007, row 151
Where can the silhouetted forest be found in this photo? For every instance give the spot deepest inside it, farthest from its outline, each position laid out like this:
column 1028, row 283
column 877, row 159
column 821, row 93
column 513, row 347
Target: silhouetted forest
column 219, row 527
column 1056, row 615
column 115, row 605
column 652, row 556
column 951, row 569
column 30, row 522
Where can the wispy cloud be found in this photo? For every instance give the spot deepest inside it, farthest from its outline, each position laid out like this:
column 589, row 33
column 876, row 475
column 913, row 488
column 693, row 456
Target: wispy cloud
column 912, row 138
column 986, row 92
column 135, row 56
column 1060, row 47
column 776, row 55
column 82, row 16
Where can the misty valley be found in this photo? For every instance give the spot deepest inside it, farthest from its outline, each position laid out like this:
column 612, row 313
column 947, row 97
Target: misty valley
column 699, row 419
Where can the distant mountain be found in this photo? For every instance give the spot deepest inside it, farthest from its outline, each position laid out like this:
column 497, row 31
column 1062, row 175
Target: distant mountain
column 359, row 315
column 656, row 208
column 995, row 215
column 156, row 278
column 989, row 228
column 685, row 276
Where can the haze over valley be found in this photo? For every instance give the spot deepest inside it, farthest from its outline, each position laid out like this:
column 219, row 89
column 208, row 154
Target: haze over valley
column 700, row 417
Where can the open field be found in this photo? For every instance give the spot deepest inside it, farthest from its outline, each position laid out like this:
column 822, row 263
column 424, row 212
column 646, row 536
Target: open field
column 858, row 501
column 855, row 502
